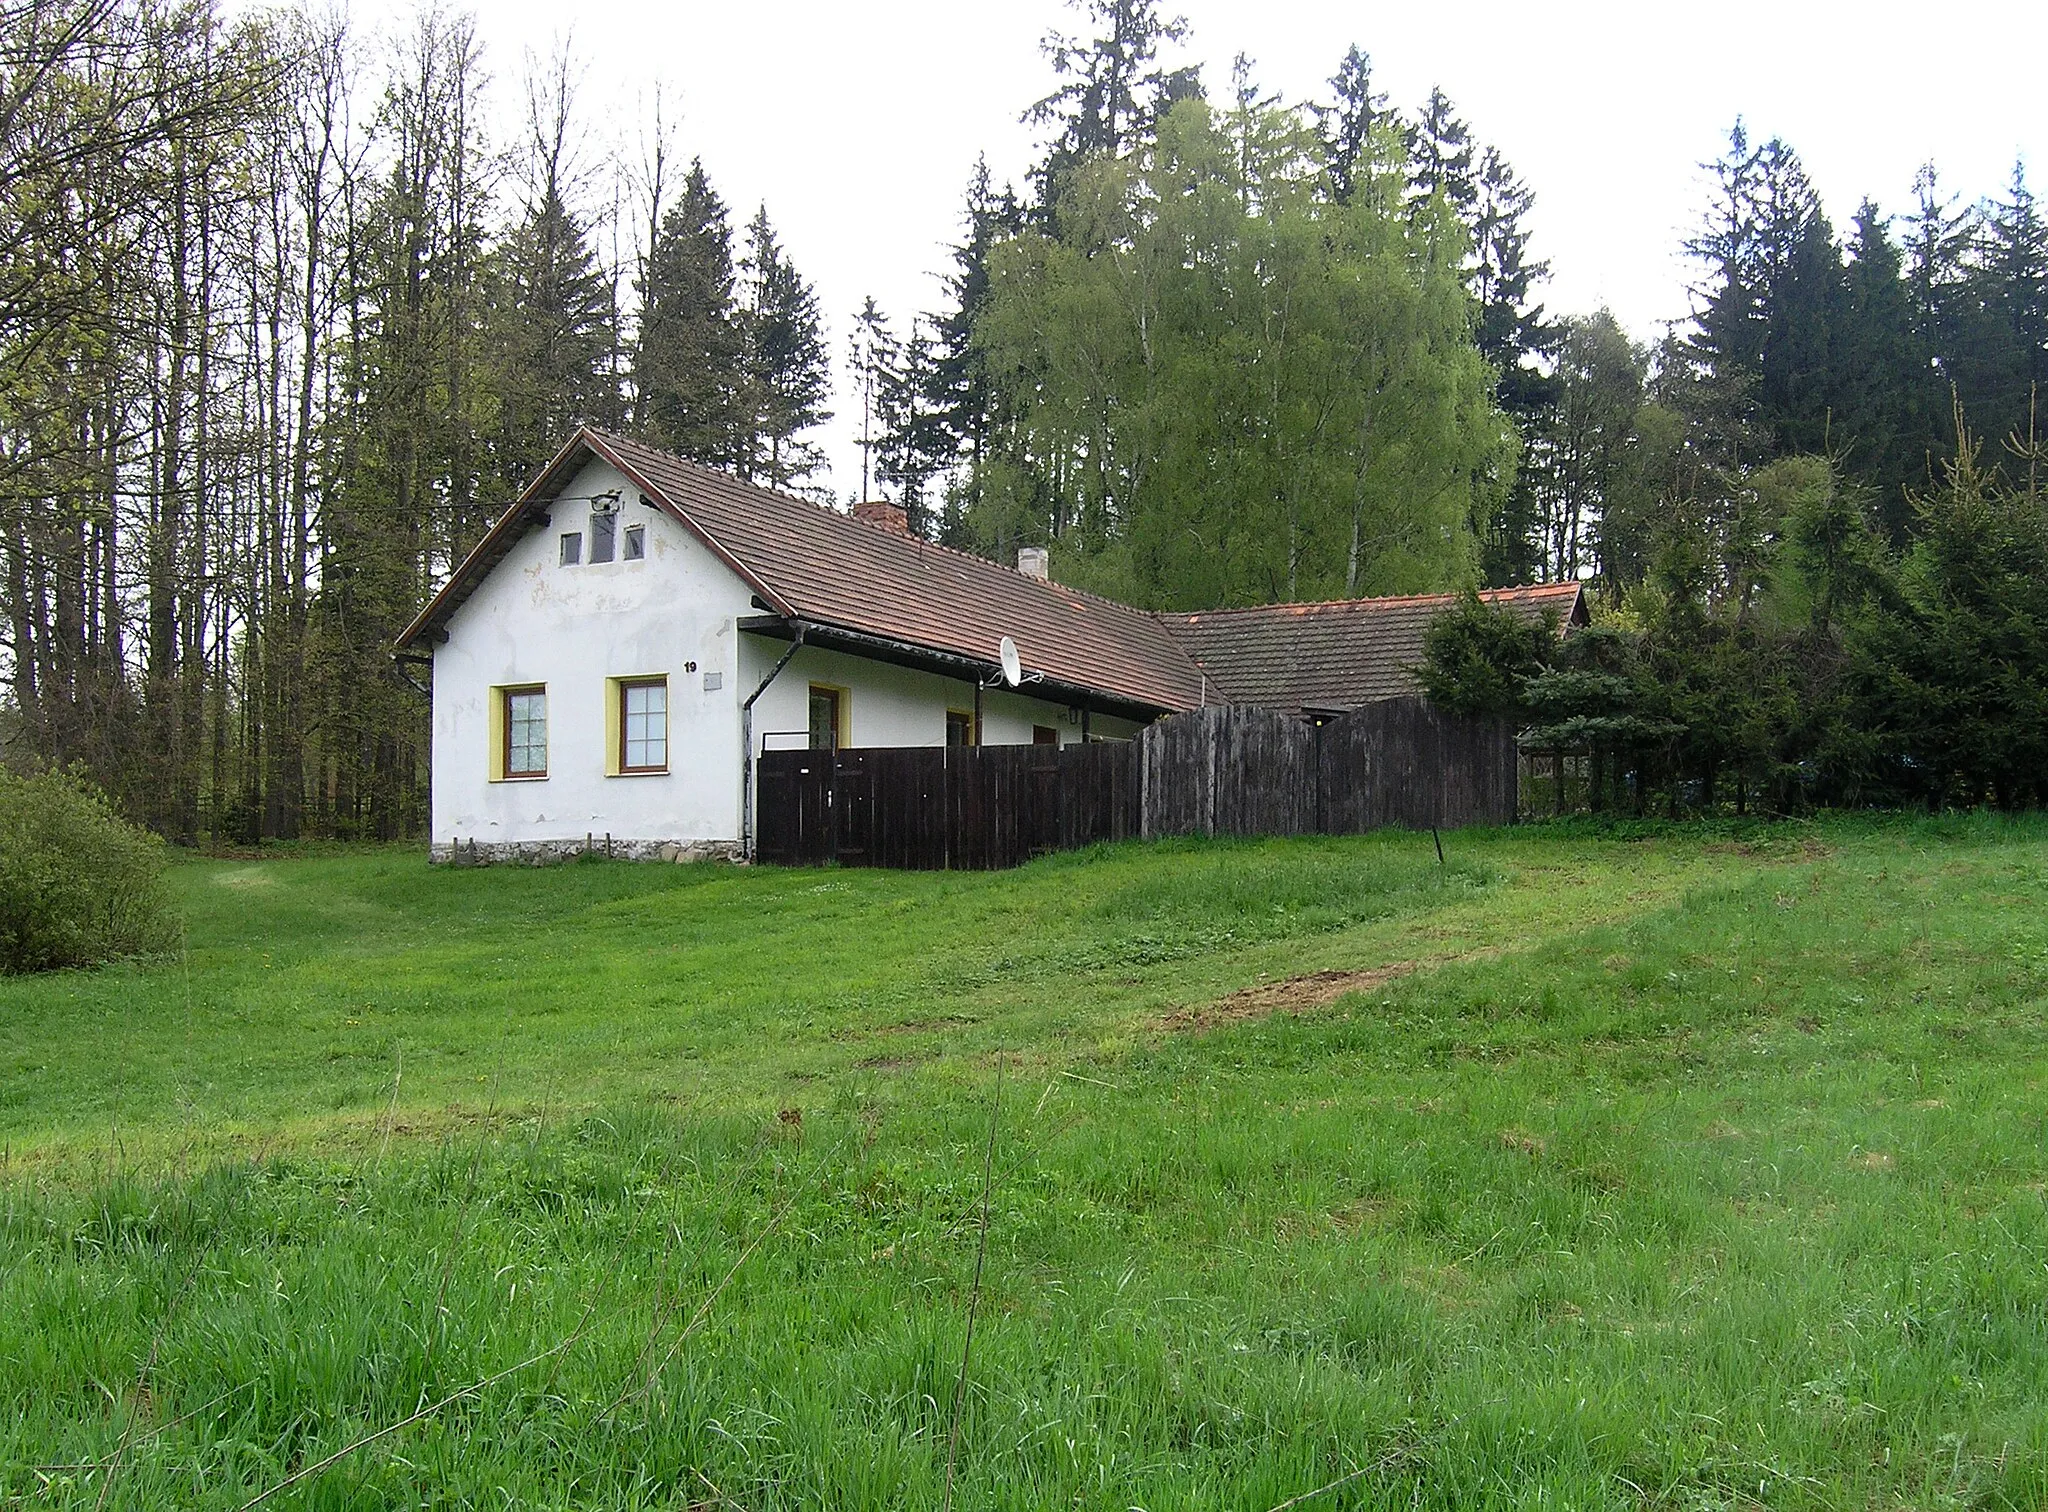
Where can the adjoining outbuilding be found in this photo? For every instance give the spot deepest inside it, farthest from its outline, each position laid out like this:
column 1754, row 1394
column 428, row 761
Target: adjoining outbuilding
column 615, row 655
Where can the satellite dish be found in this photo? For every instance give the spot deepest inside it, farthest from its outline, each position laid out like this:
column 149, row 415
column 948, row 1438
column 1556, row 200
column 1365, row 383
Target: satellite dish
column 1013, row 666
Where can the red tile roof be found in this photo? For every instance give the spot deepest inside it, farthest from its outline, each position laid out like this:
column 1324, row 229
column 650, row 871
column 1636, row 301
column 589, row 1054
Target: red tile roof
column 1337, row 655
column 823, row 567
column 829, row 570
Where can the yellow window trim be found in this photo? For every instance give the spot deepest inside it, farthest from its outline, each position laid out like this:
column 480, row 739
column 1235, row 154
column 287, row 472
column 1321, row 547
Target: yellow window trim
column 500, row 693
column 845, row 711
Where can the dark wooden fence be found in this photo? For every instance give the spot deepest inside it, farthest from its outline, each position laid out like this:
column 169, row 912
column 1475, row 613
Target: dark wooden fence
column 944, row 808
column 1220, row 771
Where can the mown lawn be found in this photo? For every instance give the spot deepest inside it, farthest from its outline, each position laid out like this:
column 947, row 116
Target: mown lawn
column 1675, row 1170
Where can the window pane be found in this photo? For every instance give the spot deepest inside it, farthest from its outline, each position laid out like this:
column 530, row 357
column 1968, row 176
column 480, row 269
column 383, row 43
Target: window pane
column 603, row 535
column 572, row 547
column 636, row 542
column 526, row 734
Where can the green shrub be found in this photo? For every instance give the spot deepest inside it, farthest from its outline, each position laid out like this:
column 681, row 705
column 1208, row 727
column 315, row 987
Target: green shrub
column 79, row 885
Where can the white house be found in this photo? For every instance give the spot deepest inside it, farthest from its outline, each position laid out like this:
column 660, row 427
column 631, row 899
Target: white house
column 636, row 629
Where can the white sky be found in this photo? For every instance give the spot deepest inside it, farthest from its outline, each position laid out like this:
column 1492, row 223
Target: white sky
column 858, row 123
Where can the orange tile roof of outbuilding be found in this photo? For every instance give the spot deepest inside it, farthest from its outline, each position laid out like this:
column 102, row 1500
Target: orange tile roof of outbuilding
column 1339, row 654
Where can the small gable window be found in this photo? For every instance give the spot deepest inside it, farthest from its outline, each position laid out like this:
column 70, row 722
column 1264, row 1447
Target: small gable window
column 572, row 547
column 636, row 542
column 604, row 529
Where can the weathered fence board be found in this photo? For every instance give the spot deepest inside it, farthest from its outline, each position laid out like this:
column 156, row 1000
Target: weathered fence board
column 1217, row 771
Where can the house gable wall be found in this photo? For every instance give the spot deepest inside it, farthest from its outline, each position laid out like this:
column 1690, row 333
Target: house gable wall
column 532, row 620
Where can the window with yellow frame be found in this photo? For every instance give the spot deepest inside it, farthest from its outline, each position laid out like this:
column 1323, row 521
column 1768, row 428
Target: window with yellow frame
column 829, row 717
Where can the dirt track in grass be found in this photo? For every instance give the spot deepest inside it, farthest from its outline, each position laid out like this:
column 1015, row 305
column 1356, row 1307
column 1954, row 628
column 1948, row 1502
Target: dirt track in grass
column 1315, row 989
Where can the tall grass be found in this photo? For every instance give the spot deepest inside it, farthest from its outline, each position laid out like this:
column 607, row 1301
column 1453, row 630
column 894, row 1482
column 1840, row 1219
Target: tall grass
column 1733, row 1201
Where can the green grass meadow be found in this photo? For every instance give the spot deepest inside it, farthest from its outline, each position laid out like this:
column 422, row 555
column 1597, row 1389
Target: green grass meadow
column 1671, row 1168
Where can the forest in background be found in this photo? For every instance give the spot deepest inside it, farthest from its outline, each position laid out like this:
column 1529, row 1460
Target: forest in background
column 282, row 328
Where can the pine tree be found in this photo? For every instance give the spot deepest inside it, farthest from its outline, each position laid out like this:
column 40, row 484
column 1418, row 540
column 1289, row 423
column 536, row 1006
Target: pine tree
column 789, row 375
column 688, row 364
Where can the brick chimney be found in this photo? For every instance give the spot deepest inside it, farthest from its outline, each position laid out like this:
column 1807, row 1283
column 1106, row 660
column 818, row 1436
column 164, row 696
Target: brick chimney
column 885, row 514
column 1035, row 562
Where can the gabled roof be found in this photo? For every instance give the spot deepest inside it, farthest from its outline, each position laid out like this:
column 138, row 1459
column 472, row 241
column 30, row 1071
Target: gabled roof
column 815, row 565
column 866, row 588
column 1337, row 655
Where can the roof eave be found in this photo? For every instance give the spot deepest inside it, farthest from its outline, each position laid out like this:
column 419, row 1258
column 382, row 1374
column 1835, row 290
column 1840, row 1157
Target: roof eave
column 902, row 653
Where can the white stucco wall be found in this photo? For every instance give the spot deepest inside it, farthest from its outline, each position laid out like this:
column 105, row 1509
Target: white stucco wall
column 886, row 705
column 571, row 629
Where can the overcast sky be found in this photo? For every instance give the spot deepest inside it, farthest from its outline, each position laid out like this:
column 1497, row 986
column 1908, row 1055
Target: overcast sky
column 858, row 124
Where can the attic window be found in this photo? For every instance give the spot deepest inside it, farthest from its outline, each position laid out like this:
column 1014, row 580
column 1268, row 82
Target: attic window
column 572, row 547
column 604, row 530
column 636, row 542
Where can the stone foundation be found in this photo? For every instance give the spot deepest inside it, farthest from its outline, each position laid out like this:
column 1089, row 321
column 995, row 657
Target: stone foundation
column 550, row 852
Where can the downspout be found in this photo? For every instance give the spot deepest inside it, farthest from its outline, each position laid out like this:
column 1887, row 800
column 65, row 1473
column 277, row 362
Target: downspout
column 747, row 744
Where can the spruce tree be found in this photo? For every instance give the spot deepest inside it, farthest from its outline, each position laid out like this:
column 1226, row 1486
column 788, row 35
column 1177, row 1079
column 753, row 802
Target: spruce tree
column 2013, row 280
column 555, row 331
column 915, row 447
column 1112, row 87
column 1805, row 308
column 961, row 395
column 873, row 359
column 688, row 363
column 1511, row 332
column 1881, row 421
column 1348, row 123
column 1440, row 155
column 788, row 374
column 1720, row 360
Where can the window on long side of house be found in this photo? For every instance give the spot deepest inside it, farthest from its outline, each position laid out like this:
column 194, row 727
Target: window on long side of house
column 526, row 732
column 825, row 717
column 643, row 725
